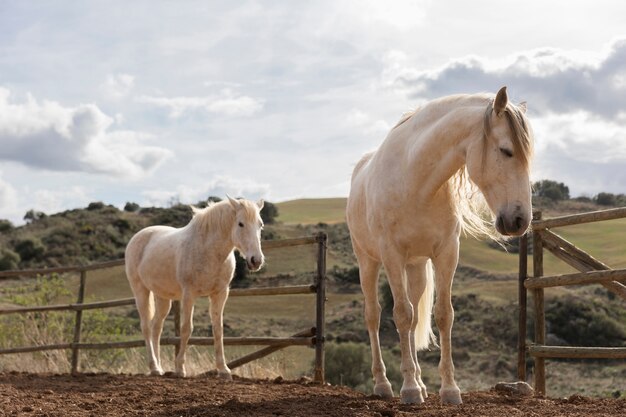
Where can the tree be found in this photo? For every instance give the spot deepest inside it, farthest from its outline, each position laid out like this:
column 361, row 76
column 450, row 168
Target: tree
column 131, row 207
column 551, row 190
column 269, row 212
column 32, row 215
column 5, row 226
column 605, row 199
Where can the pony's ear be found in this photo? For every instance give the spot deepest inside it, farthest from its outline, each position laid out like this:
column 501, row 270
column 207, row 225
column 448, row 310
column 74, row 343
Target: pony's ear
column 233, row 203
column 260, row 204
column 523, row 107
column 501, row 101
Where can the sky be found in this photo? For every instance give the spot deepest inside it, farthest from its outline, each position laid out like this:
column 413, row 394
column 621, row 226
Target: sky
column 158, row 102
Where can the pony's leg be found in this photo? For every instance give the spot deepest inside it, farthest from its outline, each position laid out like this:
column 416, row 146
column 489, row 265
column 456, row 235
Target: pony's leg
column 416, row 282
column 394, row 264
column 445, row 265
column 368, row 272
column 145, row 309
column 186, row 327
column 162, row 308
column 218, row 301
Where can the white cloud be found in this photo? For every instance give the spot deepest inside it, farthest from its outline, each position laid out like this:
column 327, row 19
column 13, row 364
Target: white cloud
column 226, row 103
column 8, row 197
column 47, row 135
column 219, row 186
column 118, row 86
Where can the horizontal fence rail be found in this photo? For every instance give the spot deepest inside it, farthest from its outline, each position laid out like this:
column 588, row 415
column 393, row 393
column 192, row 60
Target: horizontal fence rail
column 310, row 337
column 591, row 271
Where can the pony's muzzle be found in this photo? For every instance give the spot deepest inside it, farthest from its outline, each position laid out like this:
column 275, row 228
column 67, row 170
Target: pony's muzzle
column 255, row 262
column 513, row 224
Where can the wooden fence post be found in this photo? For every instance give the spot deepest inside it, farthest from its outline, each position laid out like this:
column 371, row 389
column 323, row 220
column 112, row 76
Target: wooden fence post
column 320, row 281
column 78, row 323
column 540, row 315
column 521, row 290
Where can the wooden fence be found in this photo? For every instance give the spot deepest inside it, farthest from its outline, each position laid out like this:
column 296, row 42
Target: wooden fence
column 313, row 336
column 592, row 271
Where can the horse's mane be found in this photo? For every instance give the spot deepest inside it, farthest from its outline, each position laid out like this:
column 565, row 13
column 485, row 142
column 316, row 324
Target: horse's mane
column 469, row 202
column 219, row 216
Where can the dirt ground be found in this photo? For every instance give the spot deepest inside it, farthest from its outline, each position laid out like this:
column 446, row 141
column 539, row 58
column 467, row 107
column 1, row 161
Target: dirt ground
column 23, row 394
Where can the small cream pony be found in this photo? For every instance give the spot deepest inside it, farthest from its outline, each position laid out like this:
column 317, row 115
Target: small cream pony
column 409, row 202
column 164, row 263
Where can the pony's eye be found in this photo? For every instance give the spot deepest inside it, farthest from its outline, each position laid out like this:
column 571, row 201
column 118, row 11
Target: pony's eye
column 507, row 152
column 240, row 224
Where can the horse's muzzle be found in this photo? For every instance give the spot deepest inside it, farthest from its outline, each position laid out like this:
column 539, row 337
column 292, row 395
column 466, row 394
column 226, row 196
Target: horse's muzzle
column 255, row 263
column 513, row 224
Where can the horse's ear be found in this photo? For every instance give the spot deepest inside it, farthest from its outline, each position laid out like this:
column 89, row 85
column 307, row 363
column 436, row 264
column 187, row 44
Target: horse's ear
column 523, row 107
column 233, row 203
column 499, row 104
column 260, row 204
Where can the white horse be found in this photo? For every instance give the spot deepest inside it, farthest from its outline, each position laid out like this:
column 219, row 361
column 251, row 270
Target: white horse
column 410, row 200
column 165, row 263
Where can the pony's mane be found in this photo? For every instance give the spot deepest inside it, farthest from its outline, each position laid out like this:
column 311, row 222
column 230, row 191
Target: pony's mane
column 221, row 215
column 470, row 203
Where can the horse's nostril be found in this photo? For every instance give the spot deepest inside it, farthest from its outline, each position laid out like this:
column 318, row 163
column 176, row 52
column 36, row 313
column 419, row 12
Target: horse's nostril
column 253, row 261
column 519, row 222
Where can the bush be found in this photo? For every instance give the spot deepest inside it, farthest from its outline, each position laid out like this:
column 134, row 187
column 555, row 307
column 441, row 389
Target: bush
column 8, row 260
column 241, row 277
column 30, row 249
column 551, row 190
column 5, row 226
column 131, row 207
column 96, row 205
column 269, row 212
column 346, row 275
column 605, row 199
column 32, row 215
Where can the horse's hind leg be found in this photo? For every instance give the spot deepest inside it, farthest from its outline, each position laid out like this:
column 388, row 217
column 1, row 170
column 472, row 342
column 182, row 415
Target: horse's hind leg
column 218, row 301
column 445, row 265
column 162, row 308
column 416, row 282
column 145, row 309
column 368, row 272
column 186, row 327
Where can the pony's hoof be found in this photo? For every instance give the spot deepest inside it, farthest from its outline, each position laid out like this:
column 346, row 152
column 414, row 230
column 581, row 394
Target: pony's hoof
column 156, row 372
column 225, row 376
column 411, row 396
column 383, row 390
column 450, row 396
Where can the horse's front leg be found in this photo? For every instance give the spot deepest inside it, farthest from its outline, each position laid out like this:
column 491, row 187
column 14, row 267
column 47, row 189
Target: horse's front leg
column 445, row 265
column 218, row 301
column 410, row 392
column 186, row 327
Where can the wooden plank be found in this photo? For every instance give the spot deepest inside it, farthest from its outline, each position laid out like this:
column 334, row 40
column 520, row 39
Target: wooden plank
column 70, row 307
column 540, row 314
column 292, row 289
column 522, row 314
column 320, row 281
column 578, row 352
column 284, row 243
column 41, row 348
column 60, row 270
column 206, row 341
column 78, row 322
column 266, row 351
column 591, row 277
column 594, row 216
column 579, row 259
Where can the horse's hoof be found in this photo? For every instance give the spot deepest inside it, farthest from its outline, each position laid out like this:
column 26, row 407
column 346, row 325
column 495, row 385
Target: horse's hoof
column 226, row 376
column 450, row 396
column 156, row 372
column 423, row 388
column 383, row 390
column 411, row 396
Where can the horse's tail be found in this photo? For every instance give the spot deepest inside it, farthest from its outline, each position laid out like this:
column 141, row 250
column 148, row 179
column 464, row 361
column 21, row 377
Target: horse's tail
column 424, row 335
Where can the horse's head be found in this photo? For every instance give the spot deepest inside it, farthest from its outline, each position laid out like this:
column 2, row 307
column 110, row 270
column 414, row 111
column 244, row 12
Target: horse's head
column 246, row 231
column 499, row 164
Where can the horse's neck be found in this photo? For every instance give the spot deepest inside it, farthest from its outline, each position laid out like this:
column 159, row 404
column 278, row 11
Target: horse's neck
column 437, row 146
column 214, row 236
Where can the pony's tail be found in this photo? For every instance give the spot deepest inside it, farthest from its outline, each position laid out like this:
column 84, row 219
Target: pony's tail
column 424, row 335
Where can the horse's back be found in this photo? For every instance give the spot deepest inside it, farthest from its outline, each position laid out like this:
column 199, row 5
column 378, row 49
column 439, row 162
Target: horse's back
column 147, row 245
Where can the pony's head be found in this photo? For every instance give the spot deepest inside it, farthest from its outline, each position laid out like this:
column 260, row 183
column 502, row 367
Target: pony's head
column 499, row 164
column 246, row 232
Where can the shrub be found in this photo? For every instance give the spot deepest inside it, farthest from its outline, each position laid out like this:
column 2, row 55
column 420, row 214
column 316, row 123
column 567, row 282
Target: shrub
column 96, row 205
column 605, row 199
column 32, row 215
column 30, row 249
column 8, row 260
column 346, row 275
column 269, row 212
column 551, row 190
column 131, row 207
column 5, row 226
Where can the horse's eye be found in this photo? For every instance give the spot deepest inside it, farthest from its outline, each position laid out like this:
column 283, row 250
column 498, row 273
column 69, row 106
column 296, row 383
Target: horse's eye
column 507, row 152
column 240, row 224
